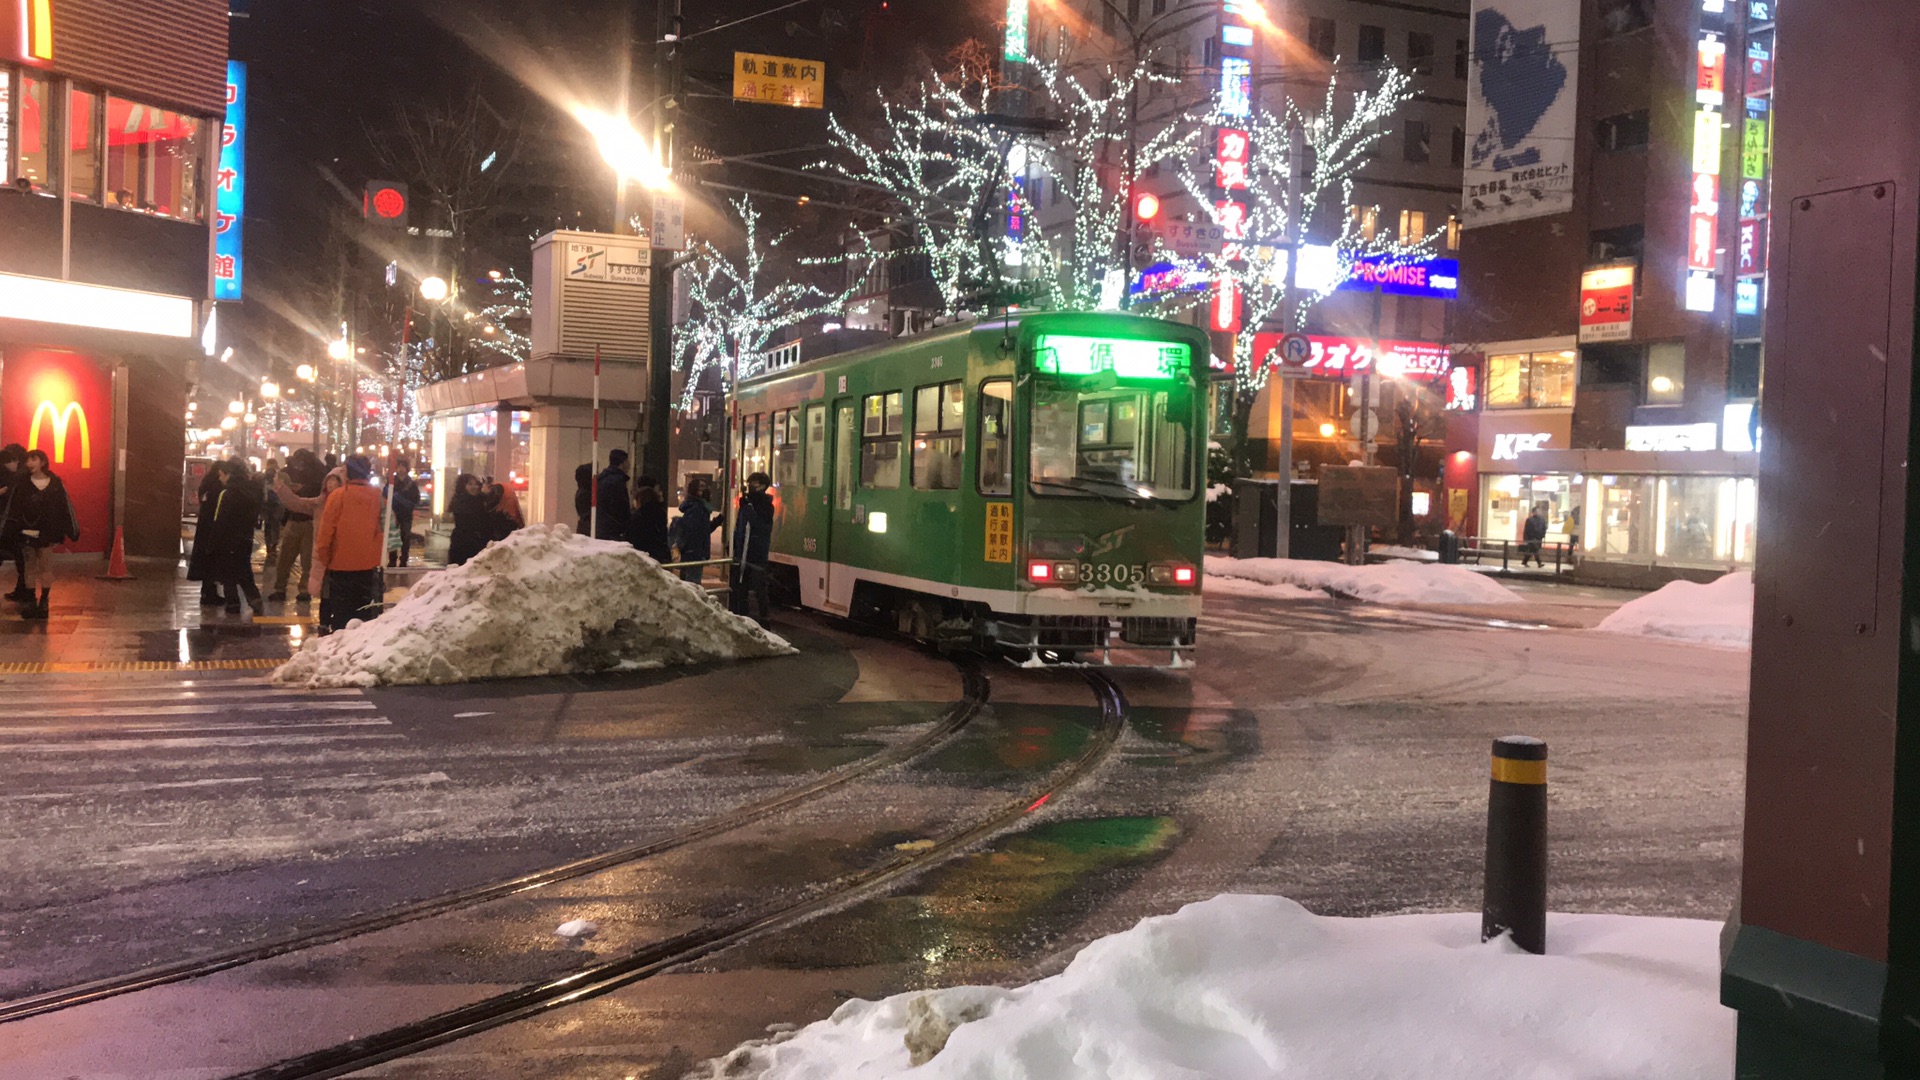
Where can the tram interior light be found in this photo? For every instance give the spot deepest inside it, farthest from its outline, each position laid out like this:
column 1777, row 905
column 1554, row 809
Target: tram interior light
column 1126, row 358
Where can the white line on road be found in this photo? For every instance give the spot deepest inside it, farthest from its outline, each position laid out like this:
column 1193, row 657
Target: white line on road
column 89, row 745
column 211, row 708
column 182, row 726
column 347, row 782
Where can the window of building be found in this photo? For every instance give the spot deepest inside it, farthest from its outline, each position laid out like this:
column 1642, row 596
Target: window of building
column 1624, row 16
column 1743, row 370
column 1612, row 364
column 1420, row 52
column 154, row 160
column 1667, row 373
column 816, row 445
column 939, row 440
column 1460, row 55
column 1457, row 153
column 1417, row 139
column 6, row 126
column 83, row 145
column 1453, row 232
column 1413, row 226
column 995, row 467
column 1322, row 36
column 1366, row 219
column 880, row 427
column 1622, row 131
column 1542, row 380
column 1209, row 52
column 35, row 132
column 1373, row 44
column 786, row 447
column 1625, row 243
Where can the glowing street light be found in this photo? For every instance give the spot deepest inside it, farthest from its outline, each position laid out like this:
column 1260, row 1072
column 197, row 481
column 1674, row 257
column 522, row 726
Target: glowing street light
column 624, row 149
column 236, row 407
column 250, row 418
column 304, row 373
column 269, row 389
column 433, row 288
column 228, row 423
column 338, row 349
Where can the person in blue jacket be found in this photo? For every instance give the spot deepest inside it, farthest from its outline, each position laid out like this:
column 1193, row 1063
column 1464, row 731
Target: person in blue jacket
column 615, row 506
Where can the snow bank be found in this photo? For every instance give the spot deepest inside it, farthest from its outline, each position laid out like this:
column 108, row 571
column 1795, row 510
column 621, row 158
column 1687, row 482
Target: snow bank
column 1399, row 551
column 1215, row 585
column 1718, row 613
column 1385, row 583
column 1247, row 987
column 544, row 601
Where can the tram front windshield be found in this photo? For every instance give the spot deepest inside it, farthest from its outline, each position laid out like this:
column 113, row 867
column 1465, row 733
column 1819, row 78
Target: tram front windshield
column 1112, row 419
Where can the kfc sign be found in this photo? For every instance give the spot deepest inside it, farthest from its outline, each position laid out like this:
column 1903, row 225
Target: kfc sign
column 1509, row 447
column 1606, row 304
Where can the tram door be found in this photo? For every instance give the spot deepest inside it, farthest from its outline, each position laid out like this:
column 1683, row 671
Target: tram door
column 846, row 471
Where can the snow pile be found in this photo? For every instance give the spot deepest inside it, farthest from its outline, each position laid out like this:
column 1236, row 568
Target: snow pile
column 1718, row 613
column 1258, row 987
column 544, row 601
column 1399, row 551
column 1387, row 583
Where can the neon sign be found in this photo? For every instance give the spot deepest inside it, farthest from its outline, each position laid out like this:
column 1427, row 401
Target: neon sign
column 1016, row 43
column 60, row 420
column 230, row 188
column 1339, row 357
column 1236, row 86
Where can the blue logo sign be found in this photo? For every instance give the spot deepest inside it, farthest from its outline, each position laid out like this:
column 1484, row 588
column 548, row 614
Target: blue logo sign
column 230, row 188
column 1407, row 277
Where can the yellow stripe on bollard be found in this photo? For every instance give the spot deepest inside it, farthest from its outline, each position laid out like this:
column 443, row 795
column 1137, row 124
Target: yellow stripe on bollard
column 1509, row 771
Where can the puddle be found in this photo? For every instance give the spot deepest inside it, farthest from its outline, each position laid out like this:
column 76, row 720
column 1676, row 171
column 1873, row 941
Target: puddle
column 1190, row 737
column 1009, row 741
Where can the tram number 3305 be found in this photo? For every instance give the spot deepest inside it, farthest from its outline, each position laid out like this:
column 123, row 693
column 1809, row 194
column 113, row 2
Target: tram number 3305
column 1113, row 573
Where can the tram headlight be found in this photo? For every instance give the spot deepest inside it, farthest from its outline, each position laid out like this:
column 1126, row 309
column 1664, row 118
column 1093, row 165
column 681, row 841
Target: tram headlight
column 1066, row 573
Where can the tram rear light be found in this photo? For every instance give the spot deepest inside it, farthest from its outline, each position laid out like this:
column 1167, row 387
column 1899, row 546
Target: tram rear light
column 1183, row 575
column 1039, row 571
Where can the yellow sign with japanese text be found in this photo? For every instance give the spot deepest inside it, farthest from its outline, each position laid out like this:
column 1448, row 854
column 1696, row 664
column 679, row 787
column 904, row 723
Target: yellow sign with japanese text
column 779, row 80
column 1000, row 532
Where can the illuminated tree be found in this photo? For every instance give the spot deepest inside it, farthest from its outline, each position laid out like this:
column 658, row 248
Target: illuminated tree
column 498, row 321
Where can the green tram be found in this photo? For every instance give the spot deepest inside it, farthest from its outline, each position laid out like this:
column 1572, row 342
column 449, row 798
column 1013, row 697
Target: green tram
column 1035, row 483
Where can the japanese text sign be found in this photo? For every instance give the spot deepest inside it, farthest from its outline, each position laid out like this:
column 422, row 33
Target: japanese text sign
column 779, row 80
column 230, row 188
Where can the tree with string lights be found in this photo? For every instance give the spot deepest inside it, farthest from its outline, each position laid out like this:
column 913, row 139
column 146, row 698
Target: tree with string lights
column 1339, row 138
column 510, row 308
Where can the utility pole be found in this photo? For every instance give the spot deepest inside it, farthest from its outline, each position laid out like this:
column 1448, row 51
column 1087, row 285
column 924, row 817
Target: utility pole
column 655, row 454
column 1296, row 161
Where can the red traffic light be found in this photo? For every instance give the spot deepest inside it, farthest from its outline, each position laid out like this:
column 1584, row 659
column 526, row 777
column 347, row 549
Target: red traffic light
column 385, row 203
column 1146, row 206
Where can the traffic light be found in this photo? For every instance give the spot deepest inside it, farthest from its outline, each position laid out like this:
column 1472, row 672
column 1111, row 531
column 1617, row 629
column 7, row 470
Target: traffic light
column 386, row 203
column 1146, row 206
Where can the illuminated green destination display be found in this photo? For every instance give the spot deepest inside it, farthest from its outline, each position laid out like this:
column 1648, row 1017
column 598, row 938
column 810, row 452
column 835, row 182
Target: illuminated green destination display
column 1071, row 354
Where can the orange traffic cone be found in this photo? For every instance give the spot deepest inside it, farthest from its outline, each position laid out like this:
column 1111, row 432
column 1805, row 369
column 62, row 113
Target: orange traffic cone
column 117, row 562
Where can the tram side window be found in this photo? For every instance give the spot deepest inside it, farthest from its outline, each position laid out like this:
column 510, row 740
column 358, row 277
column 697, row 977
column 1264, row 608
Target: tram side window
column 816, row 445
column 845, row 439
column 939, row 440
column 996, row 443
column 786, row 447
column 753, row 454
column 880, row 428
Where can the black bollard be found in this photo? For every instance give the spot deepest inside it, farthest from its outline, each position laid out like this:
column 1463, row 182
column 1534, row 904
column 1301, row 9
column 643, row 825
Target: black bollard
column 1516, row 892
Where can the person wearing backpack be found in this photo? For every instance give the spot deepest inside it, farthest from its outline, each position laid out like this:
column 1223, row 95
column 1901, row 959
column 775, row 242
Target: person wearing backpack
column 692, row 532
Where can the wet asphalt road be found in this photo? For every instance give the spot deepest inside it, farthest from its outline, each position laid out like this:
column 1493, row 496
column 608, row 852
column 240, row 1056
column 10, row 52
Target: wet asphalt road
column 1332, row 753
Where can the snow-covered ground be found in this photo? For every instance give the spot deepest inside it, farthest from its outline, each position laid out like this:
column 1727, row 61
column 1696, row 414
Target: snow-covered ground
column 1717, row 613
column 1385, row 583
column 1398, row 551
column 1246, row 987
column 544, row 601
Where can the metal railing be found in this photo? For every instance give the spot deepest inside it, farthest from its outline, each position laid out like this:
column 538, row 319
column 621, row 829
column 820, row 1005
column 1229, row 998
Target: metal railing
column 1565, row 556
column 710, row 590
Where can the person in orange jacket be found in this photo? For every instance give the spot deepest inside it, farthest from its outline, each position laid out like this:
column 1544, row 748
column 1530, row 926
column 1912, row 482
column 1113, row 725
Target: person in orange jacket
column 348, row 543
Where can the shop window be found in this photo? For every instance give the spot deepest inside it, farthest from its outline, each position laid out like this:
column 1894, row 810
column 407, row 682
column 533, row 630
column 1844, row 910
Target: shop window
column 83, row 145
column 1743, row 370
column 1530, row 380
column 786, row 447
column 1667, row 373
column 1366, row 220
column 816, row 445
column 1610, row 365
column 880, row 427
column 1420, row 52
column 1622, row 131
column 1625, row 243
column 1373, row 44
column 35, row 131
column 996, row 437
column 1551, row 384
column 1453, row 227
column 1507, row 381
column 939, row 442
column 1413, row 226
column 1418, row 137
column 154, row 160
column 1460, row 55
column 1321, row 34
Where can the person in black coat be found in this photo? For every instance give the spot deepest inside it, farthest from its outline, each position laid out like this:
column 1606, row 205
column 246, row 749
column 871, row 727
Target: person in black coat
column 753, row 547
column 616, row 511
column 13, row 467
column 649, row 527
column 230, row 538
column 37, row 516
column 406, row 499
column 583, row 498
column 1532, row 534
column 472, row 520
column 197, row 565
column 692, row 531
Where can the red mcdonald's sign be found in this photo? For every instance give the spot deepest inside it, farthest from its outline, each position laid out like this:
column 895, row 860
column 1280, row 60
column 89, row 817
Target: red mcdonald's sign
column 62, row 403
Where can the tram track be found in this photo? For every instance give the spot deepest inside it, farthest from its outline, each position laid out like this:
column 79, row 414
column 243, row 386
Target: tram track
column 974, row 691
column 649, row 960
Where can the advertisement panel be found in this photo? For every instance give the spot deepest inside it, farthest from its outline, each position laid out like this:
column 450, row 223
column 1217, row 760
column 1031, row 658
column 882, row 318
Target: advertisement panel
column 1606, row 304
column 230, row 188
column 1521, row 127
column 1338, row 357
column 62, row 403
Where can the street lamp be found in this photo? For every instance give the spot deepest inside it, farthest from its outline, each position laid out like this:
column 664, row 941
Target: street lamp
column 304, row 373
column 625, row 149
column 269, row 389
column 433, row 288
column 228, row 423
column 338, row 349
column 236, row 407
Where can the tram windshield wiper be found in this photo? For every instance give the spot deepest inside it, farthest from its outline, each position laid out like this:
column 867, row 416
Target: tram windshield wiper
column 1110, row 490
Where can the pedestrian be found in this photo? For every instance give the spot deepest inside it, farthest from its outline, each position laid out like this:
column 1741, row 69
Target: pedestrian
column 752, row 547
column 39, row 516
column 348, row 544
column 503, row 508
column 315, row 583
column 13, row 467
column 692, row 532
column 648, row 530
column 1532, row 533
column 298, row 488
column 272, row 515
column 616, row 510
column 198, row 568
column 472, row 522
column 229, row 537
column 583, row 498
column 406, row 500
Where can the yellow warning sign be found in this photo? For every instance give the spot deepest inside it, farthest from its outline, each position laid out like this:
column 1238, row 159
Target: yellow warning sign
column 779, row 80
column 1000, row 532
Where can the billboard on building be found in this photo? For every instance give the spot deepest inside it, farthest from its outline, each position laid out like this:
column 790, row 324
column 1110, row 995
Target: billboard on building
column 1521, row 127
column 62, row 403
column 230, row 189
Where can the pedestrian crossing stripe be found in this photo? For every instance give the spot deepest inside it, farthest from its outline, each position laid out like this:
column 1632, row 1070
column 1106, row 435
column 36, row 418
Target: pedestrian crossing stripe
column 85, row 667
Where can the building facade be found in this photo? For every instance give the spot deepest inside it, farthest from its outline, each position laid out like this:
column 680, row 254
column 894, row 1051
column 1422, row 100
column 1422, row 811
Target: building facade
column 111, row 126
column 1610, row 314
